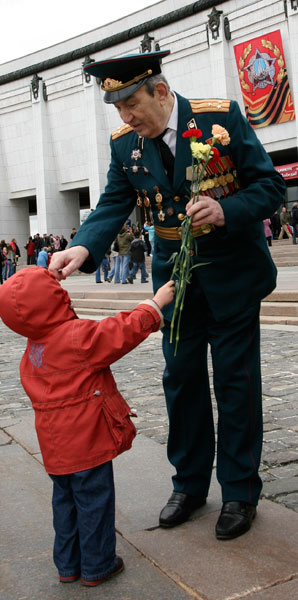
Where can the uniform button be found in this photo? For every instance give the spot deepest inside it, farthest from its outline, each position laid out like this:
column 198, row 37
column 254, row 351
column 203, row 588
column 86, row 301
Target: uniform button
column 176, row 198
column 181, row 216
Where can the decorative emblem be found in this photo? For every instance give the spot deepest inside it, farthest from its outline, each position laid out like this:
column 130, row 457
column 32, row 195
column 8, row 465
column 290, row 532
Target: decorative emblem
column 192, row 124
column 35, row 355
column 261, row 70
column 161, row 215
column 170, row 211
column 111, row 84
column 136, row 154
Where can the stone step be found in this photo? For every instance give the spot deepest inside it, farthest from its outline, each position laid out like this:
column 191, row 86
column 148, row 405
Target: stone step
column 105, row 303
column 112, row 294
column 275, row 320
column 287, row 309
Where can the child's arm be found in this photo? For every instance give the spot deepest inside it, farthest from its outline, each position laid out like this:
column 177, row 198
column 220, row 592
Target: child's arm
column 107, row 341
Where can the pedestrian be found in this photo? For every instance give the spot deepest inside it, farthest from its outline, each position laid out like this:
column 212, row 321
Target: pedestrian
column 11, row 259
column 124, row 239
column 63, row 242
column 294, row 221
column 82, row 421
column 73, row 233
column 275, row 224
column 115, row 258
column 149, row 227
column 145, row 235
column 137, row 252
column 284, row 221
column 56, row 243
column 4, row 271
column 104, row 267
column 151, row 165
column 38, row 245
column 43, row 257
column 30, row 249
column 267, row 231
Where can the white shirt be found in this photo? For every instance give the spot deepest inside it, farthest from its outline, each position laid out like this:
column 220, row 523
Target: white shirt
column 170, row 136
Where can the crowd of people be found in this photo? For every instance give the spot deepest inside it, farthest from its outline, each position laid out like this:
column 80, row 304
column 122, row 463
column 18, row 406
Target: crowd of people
column 283, row 224
column 39, row 250
column 127, row 254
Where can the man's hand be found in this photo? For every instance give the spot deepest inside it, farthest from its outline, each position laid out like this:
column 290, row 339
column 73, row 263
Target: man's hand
column 66, row 262
column 165, row 294
column 206, row 210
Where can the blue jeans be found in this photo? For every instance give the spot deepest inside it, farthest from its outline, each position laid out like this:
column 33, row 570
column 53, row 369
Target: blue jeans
column 104, row 265
column 84, row 522
column 122, row 267
column 136, row 266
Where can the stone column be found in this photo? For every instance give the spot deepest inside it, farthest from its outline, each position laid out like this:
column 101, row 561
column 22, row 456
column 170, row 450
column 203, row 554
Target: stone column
column 57, row 212
column 97, row 139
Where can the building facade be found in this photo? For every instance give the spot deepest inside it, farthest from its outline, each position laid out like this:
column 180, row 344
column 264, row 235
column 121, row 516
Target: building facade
column 55, row 127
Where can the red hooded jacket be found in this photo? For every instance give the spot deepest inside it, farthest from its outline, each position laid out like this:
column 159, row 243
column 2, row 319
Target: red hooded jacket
column 81, row 418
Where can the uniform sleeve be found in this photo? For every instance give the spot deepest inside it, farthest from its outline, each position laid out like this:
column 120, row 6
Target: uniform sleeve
column 263, row 188
column 105, row 342
column 104, row 223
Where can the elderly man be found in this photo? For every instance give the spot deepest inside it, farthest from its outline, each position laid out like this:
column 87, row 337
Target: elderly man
column 149, row 161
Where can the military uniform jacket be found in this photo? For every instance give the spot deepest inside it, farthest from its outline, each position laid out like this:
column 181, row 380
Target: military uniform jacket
column 240, row 271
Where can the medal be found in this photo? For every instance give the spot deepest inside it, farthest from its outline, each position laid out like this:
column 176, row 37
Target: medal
column 161, row 215
column 170, row 211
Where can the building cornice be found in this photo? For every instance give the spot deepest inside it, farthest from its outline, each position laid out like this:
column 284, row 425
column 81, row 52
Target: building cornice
column 109, row 42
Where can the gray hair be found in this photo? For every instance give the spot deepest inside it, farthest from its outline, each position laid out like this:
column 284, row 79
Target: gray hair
column 151, row 82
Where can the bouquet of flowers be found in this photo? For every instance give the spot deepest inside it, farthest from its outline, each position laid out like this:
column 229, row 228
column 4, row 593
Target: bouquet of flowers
column 202, row 155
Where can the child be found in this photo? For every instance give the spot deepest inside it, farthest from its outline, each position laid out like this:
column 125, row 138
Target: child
column 82, row 421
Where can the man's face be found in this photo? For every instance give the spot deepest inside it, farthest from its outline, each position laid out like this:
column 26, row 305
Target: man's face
column 144, row 113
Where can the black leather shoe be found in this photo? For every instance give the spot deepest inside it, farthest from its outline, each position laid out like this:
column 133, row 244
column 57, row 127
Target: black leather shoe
column 234, row 520
column 178, row 508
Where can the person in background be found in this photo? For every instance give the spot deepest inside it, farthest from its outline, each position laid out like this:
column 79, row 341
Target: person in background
column 63, row 242
column 267, row 231
column 30, row 250
column 275, row 225
column 124, row 239
column 137, row 252
column 104, row 266
column 81, row 419
column 145, row 235
column 11, row 259
column 73, row 233
column 284, row 221
column 4, row 271
column 38, row 245
column 151, row 234
column 294, row 221
column 43, row 257
column 56, row 243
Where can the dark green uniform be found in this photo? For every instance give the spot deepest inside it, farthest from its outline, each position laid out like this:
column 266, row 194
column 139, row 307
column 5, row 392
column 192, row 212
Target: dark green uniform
column 223, row 299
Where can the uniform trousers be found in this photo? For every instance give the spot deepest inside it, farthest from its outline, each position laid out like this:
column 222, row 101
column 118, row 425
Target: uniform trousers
column 235, row 352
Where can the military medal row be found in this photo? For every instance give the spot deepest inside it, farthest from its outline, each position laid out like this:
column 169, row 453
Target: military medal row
column 161, row 215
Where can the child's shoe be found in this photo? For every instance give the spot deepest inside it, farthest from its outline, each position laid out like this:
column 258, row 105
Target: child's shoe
column 119, row 566
column 70, row 579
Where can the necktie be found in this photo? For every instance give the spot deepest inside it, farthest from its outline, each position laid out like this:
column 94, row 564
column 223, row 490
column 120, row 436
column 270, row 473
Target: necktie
column 165, row 154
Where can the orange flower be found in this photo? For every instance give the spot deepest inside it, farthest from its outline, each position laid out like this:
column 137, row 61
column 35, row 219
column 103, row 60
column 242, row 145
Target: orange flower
column 221, row 135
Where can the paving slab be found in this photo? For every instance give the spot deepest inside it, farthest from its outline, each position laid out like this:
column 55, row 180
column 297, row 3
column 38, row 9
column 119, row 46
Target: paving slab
column 143, row 481
column 266, row 556
column 27, row 571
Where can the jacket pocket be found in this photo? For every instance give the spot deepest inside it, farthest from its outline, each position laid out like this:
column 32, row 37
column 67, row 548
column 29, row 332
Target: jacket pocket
column 117, row 415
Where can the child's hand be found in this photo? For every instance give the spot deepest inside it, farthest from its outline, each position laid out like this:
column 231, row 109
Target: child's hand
column 165, row 294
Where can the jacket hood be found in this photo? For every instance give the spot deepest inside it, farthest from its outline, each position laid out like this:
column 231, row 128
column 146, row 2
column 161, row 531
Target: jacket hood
column 32, row 302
